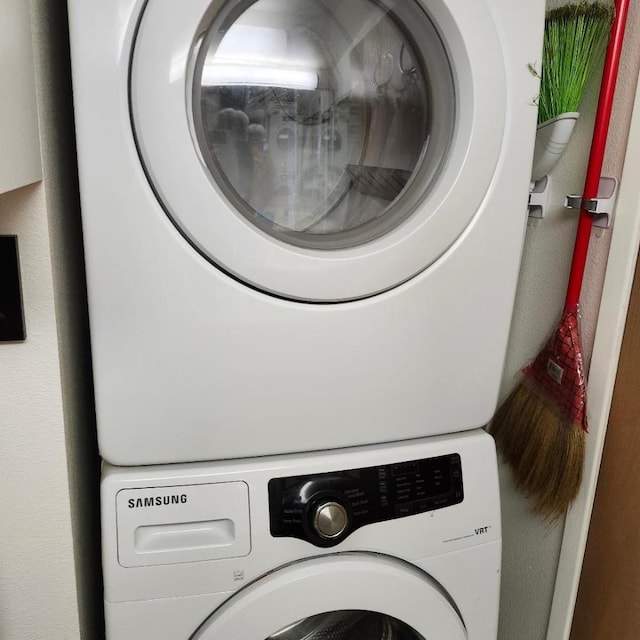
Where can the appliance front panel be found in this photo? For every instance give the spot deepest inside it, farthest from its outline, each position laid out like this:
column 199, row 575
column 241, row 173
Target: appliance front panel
column 192, row 364
column 427, row 560
column 174, row 566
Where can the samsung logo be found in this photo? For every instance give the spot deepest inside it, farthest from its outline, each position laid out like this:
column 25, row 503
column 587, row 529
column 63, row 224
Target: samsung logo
column 157, row 501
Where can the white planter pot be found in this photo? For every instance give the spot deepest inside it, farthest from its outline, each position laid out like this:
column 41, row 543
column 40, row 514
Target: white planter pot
column 552, row 138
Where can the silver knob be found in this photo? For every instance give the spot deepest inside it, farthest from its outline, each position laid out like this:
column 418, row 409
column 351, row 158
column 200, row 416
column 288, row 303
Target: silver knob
column 330, row 520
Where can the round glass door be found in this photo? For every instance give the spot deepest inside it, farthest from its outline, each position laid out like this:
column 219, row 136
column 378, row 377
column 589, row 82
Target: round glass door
column 315, row 118
column 347, row 625
column 318, row 150
column 343, row 596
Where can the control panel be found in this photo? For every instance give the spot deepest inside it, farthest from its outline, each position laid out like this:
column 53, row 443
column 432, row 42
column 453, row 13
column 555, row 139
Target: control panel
column 325, row 508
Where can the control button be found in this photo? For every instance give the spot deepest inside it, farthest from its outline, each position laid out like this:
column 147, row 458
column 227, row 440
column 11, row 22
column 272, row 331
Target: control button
column 406, row 509
column 330, row 520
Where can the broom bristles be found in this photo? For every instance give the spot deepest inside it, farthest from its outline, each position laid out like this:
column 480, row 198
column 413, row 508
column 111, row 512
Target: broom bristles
column 543, row 446
column 575, row 39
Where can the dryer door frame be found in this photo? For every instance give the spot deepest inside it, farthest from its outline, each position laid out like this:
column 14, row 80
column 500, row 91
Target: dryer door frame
column 338, row 582
column 160, row 96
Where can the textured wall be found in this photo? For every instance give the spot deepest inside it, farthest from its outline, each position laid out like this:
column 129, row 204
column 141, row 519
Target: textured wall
column 37, row 572
column 50, row 583
column 53, row 75
column 531, row 547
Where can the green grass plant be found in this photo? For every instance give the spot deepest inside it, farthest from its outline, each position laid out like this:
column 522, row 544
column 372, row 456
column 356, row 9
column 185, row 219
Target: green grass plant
column 575, row 38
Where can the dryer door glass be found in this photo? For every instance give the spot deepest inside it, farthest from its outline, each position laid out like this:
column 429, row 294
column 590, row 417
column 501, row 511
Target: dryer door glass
column 347, row 625
column 322, row 122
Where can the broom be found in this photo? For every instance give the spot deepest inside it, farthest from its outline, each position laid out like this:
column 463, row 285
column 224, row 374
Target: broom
column 540, row 428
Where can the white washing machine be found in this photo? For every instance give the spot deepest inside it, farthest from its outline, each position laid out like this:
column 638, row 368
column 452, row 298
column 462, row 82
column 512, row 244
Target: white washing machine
column 303, row 219
column 398, row 542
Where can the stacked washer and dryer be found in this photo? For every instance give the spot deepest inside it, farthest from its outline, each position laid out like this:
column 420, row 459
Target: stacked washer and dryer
column 303, row 222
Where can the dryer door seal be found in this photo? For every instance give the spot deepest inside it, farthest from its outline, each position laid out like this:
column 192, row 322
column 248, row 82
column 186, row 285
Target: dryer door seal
column 306, row 595
column 319, row 171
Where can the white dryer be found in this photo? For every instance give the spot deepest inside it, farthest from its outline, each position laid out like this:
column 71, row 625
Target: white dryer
column 303, row 219
column 397, row 542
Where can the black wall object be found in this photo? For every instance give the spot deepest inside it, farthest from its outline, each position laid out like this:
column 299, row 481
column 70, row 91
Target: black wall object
column 11, row 312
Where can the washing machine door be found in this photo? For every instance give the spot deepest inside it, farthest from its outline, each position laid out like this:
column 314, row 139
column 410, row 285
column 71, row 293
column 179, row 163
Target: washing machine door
column 319, row 150
column 348, row 596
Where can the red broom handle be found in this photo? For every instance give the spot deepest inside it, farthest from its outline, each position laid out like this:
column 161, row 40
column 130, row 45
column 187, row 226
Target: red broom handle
column 596, row 155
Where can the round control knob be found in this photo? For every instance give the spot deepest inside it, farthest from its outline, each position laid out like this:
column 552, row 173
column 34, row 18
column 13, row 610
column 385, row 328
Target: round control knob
column 330, row 519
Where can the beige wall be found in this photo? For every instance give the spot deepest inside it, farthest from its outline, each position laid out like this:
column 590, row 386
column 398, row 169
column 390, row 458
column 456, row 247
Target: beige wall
column 531, row 548
column 48, row 461
column 37, row 580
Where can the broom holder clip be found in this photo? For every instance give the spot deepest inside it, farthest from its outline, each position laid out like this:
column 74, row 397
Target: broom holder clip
column 601, row 207
column 538, row 196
